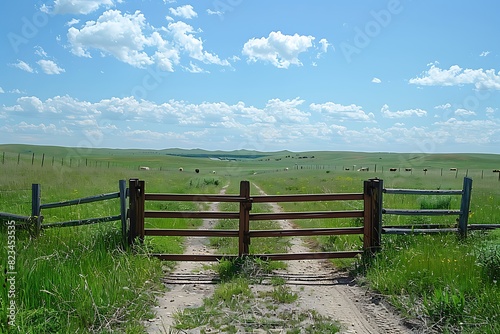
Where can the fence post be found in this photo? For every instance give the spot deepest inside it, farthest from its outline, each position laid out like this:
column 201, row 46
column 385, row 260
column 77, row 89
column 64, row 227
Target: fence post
column 372, row 191
column 35, row 206
column 244, row 223
column 132, row 214
column 122, row 185
column 465, row 207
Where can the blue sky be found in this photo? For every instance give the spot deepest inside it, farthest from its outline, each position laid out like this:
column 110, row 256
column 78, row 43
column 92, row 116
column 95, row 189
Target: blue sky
column 397, row 75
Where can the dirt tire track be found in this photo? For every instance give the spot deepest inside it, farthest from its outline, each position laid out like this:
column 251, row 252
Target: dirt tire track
column 331, row 293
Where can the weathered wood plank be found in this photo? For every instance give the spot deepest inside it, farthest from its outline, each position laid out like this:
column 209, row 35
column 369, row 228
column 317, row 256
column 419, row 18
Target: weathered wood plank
column 193, row 198
column 307, row 198
column 84, row 200
column 306, row 215
column 306, row 232
column 191, row 214
column 83, row 222
column 420, row 212
column 190, row 233
column 422, row 192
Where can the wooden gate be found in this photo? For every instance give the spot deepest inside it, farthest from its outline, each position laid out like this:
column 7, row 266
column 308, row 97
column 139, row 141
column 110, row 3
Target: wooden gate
column 371, row 216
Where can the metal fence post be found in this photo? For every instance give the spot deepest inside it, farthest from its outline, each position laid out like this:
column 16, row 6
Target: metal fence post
column 244, row 223
column 35, row 207
column 465, row 207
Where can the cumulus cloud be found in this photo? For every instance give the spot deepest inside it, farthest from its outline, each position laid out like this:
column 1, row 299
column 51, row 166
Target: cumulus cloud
column 278, row 49
column 183, row 37
column 484, row 54
column 342, row 112
column 455, row 75
column 50, row 67
column 113, row 33
column 23, row 66
column 443, row 106
column 186, row 12
column 376, row 80
column 401, row 113
column 464, row 112
column 130, row 39
column 80, row 6
column 1, row 90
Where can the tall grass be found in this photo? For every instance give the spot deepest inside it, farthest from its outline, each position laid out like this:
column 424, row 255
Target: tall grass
column 79, row 279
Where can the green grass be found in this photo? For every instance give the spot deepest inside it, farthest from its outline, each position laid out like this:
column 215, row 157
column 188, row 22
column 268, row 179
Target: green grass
column 78, row 280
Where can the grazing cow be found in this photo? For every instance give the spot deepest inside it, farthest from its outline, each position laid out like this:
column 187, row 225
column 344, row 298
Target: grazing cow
column 496, row 171
column 197, row 170
column 364, row 169
column 453, row 169
column 393, row 169
column 213, row 172
column 408, row 169
column 286, row 168
column 181, row 169
column 143, row 168
column 425, row 169
column 346, row 168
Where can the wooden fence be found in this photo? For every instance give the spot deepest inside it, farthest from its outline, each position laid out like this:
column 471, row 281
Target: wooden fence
column 36, row 217
column 371, row 215
column 462, row 213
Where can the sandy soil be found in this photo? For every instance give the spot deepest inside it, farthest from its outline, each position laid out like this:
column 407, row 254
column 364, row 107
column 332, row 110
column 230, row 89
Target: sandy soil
column 319, row 285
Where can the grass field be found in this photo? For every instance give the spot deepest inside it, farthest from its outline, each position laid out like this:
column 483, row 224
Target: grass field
column 79, row 279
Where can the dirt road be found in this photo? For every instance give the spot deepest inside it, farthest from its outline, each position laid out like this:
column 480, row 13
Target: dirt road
column 319, row 285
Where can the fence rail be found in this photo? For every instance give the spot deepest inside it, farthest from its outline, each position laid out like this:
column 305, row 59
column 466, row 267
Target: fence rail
column 371, row 230
column 463, row 213
column 37, row 207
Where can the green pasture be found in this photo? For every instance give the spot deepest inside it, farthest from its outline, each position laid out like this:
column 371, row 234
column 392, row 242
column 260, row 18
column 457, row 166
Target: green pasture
column 79, row 279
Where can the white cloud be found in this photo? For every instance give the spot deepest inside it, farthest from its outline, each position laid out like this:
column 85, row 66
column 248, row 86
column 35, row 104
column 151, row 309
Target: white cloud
column 193, row 68
column 16, row 91
column 1, row 90
column 376, row 80
column 212, row 12
column 464, row 112
column 471, row 132
column 186, row 12
column 72, row 22
column 484, row 53
column 490, row 110
column 443, row 106
column 50, row 67
column 481, row 79
column 183, row 37
column 401, row 113
column 42, row 128
column 116, row 34
column 39, row 51
column 23, row 66
column 278, row 49
column 80, row 6
column 342, row 112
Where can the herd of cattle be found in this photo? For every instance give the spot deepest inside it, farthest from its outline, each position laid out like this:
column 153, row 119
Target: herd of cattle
column 362, row 169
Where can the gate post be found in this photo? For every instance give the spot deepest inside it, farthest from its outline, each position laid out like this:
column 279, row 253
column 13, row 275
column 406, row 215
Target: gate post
column 36, row 195
column 136, row 210
column 122, row 185
column 372, row 190
column 465, row 207
column 244, row 223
